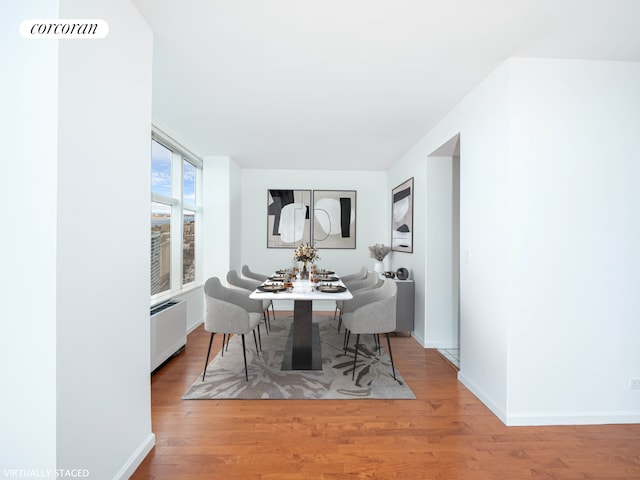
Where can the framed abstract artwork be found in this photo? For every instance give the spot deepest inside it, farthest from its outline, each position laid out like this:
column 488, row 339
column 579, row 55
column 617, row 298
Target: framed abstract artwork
column 288, row 218
column 334, row 218
column 402, row 217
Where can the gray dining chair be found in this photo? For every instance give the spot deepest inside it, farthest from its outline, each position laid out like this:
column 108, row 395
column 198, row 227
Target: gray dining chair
column 248, row 273
column 371, row 312
column 372, row 280
column 230, row 312
column 249, row 285
column 362, row 274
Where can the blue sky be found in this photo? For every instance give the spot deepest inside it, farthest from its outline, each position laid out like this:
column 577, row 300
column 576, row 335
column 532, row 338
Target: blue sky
column 161, row 174
column 188, row 183
column 160, row 169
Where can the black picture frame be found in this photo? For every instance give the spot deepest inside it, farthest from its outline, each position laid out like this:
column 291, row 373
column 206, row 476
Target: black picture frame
column 402, row 217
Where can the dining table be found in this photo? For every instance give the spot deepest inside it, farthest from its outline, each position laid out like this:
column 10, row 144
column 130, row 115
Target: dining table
column 303, row 351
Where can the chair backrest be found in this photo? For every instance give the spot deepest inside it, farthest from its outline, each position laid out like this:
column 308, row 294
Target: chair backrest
column 369, row 281
column 386, row 306
column 246, row 283
column 246, row 271
column 389, row 289
column 227, row 309
column 375, row 309
column 362, row 274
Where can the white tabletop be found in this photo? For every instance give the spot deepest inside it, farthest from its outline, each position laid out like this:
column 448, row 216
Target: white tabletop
column 302, row 290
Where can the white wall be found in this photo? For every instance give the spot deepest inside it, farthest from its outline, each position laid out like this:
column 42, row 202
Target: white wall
column 221, row 200
column 220, row 206
column 481, row 119
column 373, row 201
column 236, row 200
column 103, row 388
column 549, row 219
column 28, row 188
column 575, row 231
column 195, row 307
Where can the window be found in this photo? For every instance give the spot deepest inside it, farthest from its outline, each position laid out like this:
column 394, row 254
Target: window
column 160, row 248
column 161, row 160
column 188, row 222
column 188, row 247
column 175, row 176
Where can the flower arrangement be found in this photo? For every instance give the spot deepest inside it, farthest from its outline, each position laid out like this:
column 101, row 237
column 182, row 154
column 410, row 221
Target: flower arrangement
column 379, row 251
column 306, row 253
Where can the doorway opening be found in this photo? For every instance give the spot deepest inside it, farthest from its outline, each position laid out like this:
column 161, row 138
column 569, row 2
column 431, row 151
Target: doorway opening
column 443, row 249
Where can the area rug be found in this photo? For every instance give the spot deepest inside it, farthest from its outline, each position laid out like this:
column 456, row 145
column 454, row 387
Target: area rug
column 225, row 377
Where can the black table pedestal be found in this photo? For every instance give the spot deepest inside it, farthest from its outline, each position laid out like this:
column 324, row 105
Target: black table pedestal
column 303, row 346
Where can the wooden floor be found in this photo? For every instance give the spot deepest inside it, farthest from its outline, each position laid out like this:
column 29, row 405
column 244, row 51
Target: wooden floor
column 446, row 433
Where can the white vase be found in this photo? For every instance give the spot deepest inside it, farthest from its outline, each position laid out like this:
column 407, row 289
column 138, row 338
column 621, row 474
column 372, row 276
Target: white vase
column 386, row 264
column 378, row 267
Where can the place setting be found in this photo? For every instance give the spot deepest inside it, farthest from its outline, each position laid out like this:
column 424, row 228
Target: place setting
column 323, row 275
column 327, row 278
column 278, row 277
column 331, row 288
column 272, row 287
column 322, row 271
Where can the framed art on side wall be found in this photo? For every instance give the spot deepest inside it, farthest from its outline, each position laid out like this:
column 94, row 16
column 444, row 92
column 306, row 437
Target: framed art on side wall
column 402, row 217
column 334, row 218
column 288, row 218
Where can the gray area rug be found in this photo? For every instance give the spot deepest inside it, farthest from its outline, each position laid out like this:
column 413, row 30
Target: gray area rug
column 373, row 380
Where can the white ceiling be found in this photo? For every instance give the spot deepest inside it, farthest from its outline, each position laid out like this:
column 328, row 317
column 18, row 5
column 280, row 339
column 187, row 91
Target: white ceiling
column 350, row 84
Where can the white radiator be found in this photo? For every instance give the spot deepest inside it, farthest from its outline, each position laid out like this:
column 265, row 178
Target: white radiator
column 168, row 330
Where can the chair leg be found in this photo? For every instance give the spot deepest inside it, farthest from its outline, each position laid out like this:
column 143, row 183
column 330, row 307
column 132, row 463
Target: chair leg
column 347, row 335
column 269, row 317
column 256, row 340
column 355, row 357
column 393, row 368
column 244, row 352
column 225, row 342
column 273, row 311
column 206, row 362
column 265, row 316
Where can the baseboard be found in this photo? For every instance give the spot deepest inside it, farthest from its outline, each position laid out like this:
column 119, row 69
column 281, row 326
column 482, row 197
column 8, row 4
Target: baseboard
column 419, row 339
column 136, row 458
column 533, row 419
column 572, row 418
column 440, row 345
column 488, row 402
column 192, row 327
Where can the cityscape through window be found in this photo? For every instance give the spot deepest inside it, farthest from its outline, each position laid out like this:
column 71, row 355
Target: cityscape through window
column 174, row 207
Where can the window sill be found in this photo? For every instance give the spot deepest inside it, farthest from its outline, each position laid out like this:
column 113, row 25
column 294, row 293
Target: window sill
column 163, row 297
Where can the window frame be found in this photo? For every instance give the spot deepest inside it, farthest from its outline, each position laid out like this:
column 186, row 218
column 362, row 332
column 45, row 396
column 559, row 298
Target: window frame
column 180, row 154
